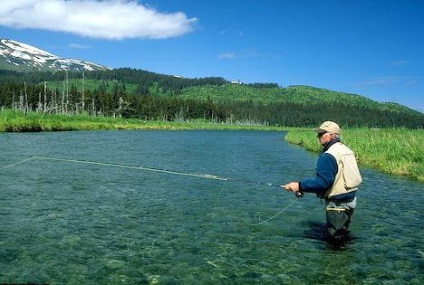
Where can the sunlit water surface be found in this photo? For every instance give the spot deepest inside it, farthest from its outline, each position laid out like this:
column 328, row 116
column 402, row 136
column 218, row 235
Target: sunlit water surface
column 109, row 222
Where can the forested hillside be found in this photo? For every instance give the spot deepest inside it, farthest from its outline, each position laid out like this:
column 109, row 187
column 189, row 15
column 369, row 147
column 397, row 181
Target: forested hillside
column 146, row 95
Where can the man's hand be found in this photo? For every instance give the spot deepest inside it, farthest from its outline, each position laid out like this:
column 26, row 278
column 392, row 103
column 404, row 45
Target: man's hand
column 292, row 186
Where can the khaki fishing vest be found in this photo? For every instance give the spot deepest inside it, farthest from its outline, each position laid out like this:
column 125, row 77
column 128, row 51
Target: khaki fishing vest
column 348, row 176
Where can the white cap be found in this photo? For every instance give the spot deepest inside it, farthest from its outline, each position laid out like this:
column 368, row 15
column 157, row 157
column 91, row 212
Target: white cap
column 328, row 127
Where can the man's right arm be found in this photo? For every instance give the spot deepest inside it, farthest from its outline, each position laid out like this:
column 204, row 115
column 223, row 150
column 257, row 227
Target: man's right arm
column 325, row 175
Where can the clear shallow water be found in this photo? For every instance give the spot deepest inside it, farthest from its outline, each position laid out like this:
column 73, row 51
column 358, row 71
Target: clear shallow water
column 68, row 222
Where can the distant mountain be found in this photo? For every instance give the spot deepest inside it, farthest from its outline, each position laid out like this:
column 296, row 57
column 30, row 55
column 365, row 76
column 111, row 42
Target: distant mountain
column 295, row 94
column 18, row 61
column 22, row 57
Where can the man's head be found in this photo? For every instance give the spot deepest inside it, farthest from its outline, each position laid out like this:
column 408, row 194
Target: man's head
column 328, row 131
column 328, row 127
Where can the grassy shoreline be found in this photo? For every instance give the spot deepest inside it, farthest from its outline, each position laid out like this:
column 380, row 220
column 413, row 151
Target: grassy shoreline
column 11, row 121
column 394, row 151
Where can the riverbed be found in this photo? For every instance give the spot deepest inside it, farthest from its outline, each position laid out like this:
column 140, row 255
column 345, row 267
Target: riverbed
column 191, row 207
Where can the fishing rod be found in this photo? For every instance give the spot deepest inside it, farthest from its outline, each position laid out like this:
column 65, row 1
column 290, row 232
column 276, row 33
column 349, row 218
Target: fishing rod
column 298, row 194
column 206, row 176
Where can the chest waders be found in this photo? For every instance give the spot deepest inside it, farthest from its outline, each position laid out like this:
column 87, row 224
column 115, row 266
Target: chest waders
column 338, row 217
column 347, row 180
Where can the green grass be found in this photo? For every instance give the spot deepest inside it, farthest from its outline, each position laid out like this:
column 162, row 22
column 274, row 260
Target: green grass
column 395, row 151
column 13, row 121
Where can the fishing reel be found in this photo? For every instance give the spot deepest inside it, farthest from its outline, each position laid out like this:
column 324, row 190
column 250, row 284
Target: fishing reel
column 299, row 194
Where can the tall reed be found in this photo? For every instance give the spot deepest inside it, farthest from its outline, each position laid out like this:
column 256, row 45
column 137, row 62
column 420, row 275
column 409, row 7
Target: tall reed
column 15, row 121
column 396, row 151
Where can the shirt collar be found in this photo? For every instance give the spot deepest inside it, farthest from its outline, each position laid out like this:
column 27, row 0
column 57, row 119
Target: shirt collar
column 328, row 145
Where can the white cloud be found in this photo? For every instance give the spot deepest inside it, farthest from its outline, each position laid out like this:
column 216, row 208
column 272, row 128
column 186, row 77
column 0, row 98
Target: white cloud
column 399, row 62
column 380, row 81
column 228, row 55
column 248, row 54
column 391, row 80
column 79, row 46
column 106, row 19
column 231, row 31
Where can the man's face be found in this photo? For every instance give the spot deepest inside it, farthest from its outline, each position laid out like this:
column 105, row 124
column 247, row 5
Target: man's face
column 324, row 138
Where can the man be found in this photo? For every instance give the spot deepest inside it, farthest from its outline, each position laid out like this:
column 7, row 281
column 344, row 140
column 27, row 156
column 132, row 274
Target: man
column 337, row 180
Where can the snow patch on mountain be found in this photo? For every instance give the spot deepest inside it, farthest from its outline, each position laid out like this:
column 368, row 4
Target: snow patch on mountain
column 26, row 56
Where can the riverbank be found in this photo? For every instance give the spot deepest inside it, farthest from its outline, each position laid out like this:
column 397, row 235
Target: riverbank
column 394, row 151
column 11, row 121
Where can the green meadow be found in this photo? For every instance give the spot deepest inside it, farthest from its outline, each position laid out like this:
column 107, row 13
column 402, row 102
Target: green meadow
column 396, row 151
column 15, row 121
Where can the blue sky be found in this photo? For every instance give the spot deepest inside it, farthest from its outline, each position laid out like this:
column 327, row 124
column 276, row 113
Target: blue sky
column 373, row 48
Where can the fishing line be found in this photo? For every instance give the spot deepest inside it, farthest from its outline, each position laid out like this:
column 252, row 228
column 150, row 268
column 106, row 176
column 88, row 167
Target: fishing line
column 162, row 170
column 205, row 176
column 16, row 163
column 282, row 211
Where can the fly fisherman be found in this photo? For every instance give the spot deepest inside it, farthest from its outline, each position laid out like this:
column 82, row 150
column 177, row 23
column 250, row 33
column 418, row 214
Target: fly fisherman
column 337, row 180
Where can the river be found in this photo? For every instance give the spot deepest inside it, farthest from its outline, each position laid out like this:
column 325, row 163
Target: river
column 191, row 207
